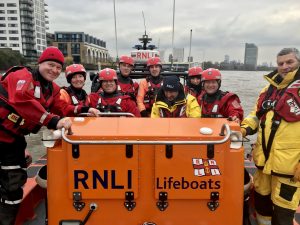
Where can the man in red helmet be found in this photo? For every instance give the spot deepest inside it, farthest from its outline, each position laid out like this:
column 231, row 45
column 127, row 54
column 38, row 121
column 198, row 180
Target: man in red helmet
column 110, row 99
column 75, row 94
column 215, row 103
column 29, row 99
column 149, row 87
column 194, row 86
column 125, row 83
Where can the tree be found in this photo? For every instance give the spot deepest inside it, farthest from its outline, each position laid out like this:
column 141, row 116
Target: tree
column 9, row 58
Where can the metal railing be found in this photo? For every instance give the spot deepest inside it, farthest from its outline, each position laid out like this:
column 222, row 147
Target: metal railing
column 225, row 130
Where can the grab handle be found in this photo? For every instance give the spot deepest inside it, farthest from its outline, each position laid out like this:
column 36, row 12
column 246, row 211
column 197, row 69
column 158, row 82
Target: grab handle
column 225, row 128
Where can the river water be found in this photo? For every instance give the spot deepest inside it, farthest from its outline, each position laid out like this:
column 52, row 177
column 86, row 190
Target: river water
column 246, row 84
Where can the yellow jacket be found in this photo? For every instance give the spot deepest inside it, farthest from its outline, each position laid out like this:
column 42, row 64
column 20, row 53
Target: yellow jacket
column 191, row 106
column 285, row 150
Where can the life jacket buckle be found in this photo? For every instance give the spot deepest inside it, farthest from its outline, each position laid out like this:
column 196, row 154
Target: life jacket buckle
column 275, row 124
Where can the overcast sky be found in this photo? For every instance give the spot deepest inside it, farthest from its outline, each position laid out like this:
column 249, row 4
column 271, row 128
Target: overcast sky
column 219, row 27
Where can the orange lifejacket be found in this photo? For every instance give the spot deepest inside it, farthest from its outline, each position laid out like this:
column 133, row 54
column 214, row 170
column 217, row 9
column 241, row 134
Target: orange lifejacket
column 149, row 98
column 74, row 98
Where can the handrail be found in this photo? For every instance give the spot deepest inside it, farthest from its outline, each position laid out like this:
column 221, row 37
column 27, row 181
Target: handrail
column 157, row 142
column 109, row 114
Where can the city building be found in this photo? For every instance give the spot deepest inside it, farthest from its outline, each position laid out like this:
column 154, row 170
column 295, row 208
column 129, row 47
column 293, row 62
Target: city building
column 178, row 54
column 23, row 26
column 82, row 48
column 250, row 60
column 226, row 59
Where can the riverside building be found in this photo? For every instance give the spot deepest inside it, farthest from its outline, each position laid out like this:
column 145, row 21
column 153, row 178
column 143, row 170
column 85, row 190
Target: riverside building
column 23, row 25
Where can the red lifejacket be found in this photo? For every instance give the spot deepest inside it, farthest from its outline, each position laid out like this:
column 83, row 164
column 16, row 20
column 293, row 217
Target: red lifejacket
column 150, row 95
column 180, row 112
column 191, row 91
column 213, row 109
column 74, row 98
column 126, row 86
column 284, row 102
column 10, row 120
column 110, row 104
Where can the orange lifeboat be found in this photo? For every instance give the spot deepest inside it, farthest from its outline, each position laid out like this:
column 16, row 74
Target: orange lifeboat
column 146, row 171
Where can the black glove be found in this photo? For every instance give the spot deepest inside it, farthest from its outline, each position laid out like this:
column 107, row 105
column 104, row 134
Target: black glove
column 144, row 113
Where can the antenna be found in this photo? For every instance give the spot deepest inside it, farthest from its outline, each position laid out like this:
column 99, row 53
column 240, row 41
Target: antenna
column 144, row 22
column 116, row 36
column 172, row 59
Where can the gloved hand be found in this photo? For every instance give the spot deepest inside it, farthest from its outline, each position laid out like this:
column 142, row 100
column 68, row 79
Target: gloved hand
column 144, row 113
column 244, row 131
column 94, row 112
column 297, row 172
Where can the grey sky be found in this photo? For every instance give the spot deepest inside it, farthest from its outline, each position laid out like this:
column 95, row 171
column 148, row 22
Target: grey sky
column 219, row 27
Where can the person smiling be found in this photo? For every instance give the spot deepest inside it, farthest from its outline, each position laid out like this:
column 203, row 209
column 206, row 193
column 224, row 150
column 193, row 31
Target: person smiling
column 215, row 103
column 109, row 99
column 29, row 99
column 75, row 94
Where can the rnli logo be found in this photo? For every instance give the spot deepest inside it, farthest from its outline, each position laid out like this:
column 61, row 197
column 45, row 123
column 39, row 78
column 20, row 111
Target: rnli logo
column 13, row 117
column 20, row 84
column 294, row 108
column 205, row 167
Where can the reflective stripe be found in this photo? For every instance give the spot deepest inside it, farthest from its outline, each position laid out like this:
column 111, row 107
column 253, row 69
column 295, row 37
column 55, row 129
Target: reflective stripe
column 263, row 220
column 76, row 109
column 119, row 101
column 13, row 168
column 10, row 167
column 15, row 202
column 43, row 117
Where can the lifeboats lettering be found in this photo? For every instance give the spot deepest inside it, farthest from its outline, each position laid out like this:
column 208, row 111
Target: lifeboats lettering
column 107, row 179
column 171, row 183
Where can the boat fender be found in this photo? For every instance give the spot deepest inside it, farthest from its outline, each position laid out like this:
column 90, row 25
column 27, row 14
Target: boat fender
column 41, row 178
column 206, row 130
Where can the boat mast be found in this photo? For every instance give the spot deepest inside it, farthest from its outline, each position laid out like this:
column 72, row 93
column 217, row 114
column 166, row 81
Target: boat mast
column 173, row 36
column 116, row 36
column 189, row 58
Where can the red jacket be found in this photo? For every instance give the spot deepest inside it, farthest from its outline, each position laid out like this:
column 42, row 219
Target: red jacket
column 113, row 103
column 222, row 104
column 25, row 104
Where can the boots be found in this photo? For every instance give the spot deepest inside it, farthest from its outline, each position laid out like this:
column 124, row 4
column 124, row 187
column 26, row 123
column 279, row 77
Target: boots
column 8, row 213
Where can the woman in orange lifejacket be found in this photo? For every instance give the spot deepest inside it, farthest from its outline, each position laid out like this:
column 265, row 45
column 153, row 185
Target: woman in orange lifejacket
column 75, row 94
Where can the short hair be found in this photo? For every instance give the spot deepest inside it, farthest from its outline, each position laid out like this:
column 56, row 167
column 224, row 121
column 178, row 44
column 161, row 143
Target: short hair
column 286, row 51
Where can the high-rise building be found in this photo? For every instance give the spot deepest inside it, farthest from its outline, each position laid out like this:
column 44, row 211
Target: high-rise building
column 178, row 55
column 226, row 59
column 250, row 60
column 23, row 26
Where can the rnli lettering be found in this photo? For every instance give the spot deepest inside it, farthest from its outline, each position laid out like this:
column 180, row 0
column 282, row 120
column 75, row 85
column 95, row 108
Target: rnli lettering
column 170, row 183
column 145, row 55
column 95, row 180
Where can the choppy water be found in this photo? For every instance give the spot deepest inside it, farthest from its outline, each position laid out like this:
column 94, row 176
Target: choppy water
column 246, row 84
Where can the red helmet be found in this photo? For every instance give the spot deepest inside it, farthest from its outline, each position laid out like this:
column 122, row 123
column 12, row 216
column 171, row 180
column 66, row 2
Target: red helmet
column 74, row 69
column 108, row 74
column 153, row 61
column 195, row 71
column 211, row 74
column 126, row 59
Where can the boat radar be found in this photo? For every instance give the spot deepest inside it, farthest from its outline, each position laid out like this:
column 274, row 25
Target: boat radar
column 144, row 52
